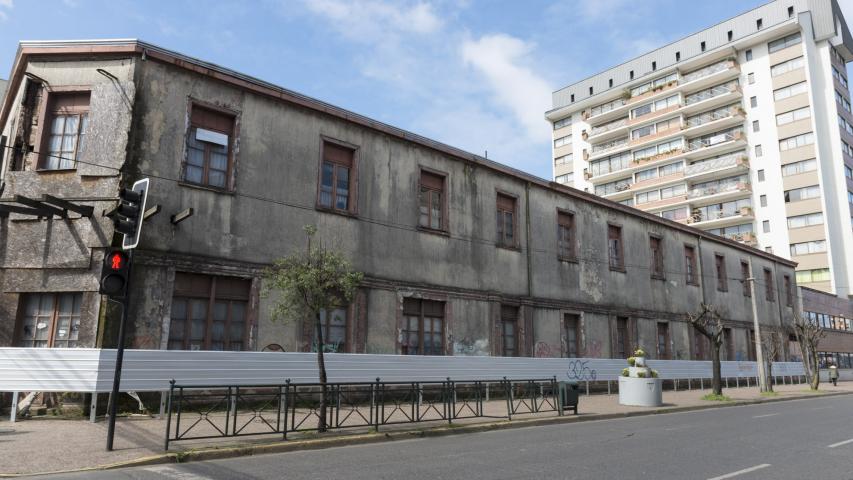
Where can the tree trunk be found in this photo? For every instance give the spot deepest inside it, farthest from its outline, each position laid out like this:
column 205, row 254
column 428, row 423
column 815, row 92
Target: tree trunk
column 321, row 366
column 768, row 376
column 717, row 377
column 814, row 381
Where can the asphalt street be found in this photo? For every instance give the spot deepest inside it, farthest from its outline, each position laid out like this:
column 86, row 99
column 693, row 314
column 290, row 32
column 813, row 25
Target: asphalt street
column 805, row 439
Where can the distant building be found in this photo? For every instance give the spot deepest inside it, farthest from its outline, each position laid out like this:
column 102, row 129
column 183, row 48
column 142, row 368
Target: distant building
column 743, row 130
column 461, row 255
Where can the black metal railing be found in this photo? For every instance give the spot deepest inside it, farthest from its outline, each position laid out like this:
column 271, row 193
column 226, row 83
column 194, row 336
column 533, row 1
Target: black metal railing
column 213, row 411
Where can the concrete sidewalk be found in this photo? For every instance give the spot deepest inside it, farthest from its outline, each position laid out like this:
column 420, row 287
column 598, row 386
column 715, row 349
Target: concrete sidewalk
column 51, row 445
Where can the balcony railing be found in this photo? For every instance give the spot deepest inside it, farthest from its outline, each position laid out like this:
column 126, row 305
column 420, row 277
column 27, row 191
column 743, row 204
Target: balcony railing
column 609, row 126
column 713, row 140
column 598, row 110
column 709, row 70
column 709, row 93
column 722, row 188
column 720, row 214
column 603, row 147
column 712, row 116
column 717, row 163
column 745, row 237
column 611, row 189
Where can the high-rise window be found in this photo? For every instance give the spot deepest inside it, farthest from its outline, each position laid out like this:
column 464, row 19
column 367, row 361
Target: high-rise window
column 423, row 327
column 509, row 330
column 432, row 201
column 337, row 170
column 615, row 248
column 506, row 221
column 67, row 123
column 784, row 42
column 49, row 320
column 209, row 313
column 566, row 235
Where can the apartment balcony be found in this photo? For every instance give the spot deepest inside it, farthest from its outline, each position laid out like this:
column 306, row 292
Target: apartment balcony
column 652, row 93
column 620, row 192
column 601, row 149
column 711, row 98
column 713, row 121
column 609, row 130
column 746, row 238
column 715, row 145
column 710, row 75
column 721, row 218
column 719, row 193
column 723, row 166
column 606, row 112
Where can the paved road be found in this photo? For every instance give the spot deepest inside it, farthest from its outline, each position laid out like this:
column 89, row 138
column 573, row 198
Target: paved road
column 807, row 439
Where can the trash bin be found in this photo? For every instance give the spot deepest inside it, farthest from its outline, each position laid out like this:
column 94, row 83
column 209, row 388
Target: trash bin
column 568, row 396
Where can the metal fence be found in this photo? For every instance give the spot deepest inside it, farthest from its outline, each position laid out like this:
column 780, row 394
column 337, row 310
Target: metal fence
column 214, row 411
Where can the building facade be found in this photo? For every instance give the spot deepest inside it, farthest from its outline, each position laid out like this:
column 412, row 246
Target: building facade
column 835, row 316
column 461, row 255
column 742, row 130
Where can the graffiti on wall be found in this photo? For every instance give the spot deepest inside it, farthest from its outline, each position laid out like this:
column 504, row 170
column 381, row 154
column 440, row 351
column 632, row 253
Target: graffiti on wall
column 469, row 346
column 593, row 349
column 580, row 371
column 546, row 350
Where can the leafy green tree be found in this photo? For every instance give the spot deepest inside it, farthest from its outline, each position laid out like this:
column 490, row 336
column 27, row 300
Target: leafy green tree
column 308, row 284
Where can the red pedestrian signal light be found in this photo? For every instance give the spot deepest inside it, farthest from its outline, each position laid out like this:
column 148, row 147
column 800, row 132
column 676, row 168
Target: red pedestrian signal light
column 115, row 273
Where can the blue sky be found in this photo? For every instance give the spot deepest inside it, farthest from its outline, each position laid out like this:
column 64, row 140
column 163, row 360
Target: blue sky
column 474, row 74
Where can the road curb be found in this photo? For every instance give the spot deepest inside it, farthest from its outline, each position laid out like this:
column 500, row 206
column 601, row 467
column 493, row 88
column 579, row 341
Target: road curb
column 224, row 452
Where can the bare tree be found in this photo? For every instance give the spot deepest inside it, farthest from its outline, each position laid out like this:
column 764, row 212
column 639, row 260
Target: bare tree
column 709, row 323
column 311, row 285
column 771, row 346
column 809, row 335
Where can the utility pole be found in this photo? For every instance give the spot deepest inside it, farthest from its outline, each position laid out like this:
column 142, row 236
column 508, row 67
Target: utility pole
column 762, row 378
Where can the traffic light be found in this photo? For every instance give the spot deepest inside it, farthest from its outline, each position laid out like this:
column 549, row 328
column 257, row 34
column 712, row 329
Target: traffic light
column 115, row 273
column 128, row 216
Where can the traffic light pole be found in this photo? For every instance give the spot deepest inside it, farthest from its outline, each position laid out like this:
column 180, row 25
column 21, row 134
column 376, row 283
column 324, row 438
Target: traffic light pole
column 111, row 409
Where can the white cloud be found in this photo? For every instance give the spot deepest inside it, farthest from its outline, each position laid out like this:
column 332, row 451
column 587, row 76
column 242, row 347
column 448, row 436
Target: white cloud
column 7, row 3
column 500, row 59
column 372, row 20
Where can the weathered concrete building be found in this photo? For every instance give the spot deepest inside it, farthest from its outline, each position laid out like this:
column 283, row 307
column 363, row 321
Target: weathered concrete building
column 461, row 255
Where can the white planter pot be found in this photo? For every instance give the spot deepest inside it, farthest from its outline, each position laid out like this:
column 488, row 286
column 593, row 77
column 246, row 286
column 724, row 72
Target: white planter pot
column 640, row 392
column 633, row 372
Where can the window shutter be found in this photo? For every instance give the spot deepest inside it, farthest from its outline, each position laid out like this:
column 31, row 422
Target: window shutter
column 431, row 180
column 565, row 219
column 212, row 120
column 506, row 202
column 509, row 313
column 337, row 154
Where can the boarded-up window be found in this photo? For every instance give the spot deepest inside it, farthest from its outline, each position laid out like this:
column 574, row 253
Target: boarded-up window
column 750, row 345
column 663, row 341
column 49, row 320
column 789, row 291
column 209, row 313
column 423, row 327
column 509, row 330
column 66, row 125
column 720, row 265
column 699, row 342
column 744, row 274
column 506, row 220
column 336, row 177
column 432, row 200
column 614, row 247
column 729, row 343
column 656, row 254
column 573, row 338
column 566, row 236
column 623, row 341
column 209, row 145
column 768, row 285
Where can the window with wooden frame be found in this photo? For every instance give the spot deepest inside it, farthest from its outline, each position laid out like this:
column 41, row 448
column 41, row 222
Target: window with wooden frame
column 64, row 137
column 744, row 274
column 509, row 330
column 656, row 254
column 209, row 313
column 623, row 338
column 699, row 343
column 506, row 221
column 566, row 235
column 663, row 341
column 720, row 266
column 50, row 320
column 729, row 343
column 432, row 201
column 423, row 327
column 337, row 177
column 690, row 272
column 209, row 148
column 789, row 291
column 614, row 247
column 573, row 334
column 768, row 285
column 334, row 325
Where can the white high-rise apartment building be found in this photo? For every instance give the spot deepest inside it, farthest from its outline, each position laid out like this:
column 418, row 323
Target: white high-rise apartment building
column 743, row 129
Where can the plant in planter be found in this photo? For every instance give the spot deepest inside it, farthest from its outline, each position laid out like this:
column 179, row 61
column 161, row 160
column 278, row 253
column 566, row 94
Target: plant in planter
column 631, row 361
column 625, row 372
column 641, row 374
column 639, row 385
column 654, row 373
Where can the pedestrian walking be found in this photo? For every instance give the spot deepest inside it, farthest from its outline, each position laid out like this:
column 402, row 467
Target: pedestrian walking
column 833, row 374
